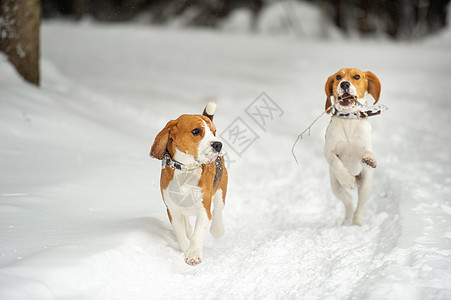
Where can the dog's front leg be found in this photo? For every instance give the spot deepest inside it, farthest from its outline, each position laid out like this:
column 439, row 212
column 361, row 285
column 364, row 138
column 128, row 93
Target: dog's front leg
column 178, row 223
column 341, row 173
column 193, row 255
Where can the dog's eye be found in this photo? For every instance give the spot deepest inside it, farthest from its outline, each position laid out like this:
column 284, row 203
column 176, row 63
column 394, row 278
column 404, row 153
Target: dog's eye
column 357, row 77
column 339, row 77
column 196, row 131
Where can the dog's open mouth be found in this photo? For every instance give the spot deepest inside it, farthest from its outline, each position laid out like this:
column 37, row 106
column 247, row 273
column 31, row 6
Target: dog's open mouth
column 346, row 99
column 213, row 155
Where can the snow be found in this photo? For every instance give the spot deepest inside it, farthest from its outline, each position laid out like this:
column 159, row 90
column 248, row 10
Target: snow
column 82, row 215
column 302, row 18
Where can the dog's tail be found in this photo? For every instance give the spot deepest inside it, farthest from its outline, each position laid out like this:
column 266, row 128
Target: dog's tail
column 210, row 110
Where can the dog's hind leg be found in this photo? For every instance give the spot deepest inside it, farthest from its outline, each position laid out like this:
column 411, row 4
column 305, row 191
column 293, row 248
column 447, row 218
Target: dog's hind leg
column 189, row 229
column 364, row 183
column 341, row 193
column 216, row 228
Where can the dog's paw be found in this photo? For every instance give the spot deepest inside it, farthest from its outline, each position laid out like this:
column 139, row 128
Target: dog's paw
column 193, row 258
column 347, row 181
column 370, row 162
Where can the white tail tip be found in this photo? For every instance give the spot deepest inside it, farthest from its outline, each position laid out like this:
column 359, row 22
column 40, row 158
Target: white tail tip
column 210, row 108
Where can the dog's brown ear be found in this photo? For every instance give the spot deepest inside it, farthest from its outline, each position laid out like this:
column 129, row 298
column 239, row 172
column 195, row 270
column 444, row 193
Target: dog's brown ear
column 374, row 86
column 329, row 92
column 161, row 141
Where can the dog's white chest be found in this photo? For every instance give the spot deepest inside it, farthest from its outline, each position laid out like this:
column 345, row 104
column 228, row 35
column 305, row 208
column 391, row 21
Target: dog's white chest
column 183, row 190
column 348, row 134
column 349, row 140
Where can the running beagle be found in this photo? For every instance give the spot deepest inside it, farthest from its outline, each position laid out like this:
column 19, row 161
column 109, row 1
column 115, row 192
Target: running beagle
column 192, row 176
column 348, row 147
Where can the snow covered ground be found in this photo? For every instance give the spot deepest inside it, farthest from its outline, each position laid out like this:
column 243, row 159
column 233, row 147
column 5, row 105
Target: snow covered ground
column 81, row 212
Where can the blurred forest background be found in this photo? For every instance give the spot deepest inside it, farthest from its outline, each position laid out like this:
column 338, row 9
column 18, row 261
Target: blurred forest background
column 398, row 20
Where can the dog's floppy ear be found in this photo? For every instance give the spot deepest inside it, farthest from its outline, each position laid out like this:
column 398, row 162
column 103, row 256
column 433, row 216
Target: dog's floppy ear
column 329, row 92
column 374, row 86
column 161, row 141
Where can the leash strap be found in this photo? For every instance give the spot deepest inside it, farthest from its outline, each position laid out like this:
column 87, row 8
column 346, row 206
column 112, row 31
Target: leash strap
column 372, row 111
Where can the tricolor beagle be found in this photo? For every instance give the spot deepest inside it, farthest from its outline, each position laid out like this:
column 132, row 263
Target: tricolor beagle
column 192, row 176
column 348, row 147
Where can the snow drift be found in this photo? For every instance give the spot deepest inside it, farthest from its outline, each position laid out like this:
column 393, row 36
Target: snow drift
column 81, row 213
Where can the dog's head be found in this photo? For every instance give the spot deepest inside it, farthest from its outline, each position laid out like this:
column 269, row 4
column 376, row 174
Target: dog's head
column 348, row 86
column 189, row 139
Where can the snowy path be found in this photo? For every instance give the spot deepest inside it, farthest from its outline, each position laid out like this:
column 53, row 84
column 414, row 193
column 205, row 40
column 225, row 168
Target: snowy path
column 81, row 212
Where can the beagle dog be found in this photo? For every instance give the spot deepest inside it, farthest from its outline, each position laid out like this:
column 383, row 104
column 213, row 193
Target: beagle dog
column 348, row 146
column 193, row 176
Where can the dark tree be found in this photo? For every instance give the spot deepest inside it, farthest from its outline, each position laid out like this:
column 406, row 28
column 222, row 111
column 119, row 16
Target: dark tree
column 402, row 19
column 19, row 35
column 398, row 19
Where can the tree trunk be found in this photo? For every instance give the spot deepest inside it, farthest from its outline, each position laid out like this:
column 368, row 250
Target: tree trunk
column 19, row 35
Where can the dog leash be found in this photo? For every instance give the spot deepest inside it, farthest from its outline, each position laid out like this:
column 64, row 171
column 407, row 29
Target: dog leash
column 374, row 110
column 300, row 136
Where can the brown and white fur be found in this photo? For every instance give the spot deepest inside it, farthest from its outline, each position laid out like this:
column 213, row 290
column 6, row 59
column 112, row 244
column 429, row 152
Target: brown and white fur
column 348, row 146
column 191, row 140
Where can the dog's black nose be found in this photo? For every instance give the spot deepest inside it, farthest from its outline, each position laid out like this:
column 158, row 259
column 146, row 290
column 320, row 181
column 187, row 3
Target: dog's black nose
column 345, row 85
column 217, row 146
